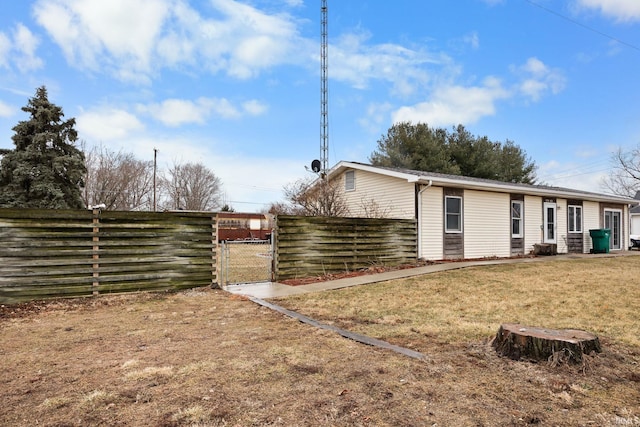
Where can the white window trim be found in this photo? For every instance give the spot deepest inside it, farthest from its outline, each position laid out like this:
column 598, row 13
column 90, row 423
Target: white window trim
column 346, row 181
column 575, row 231
column 446, row 229
column 521, row 219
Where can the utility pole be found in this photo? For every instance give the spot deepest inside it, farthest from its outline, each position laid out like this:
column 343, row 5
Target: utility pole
column 324, row 92
column 155, row 167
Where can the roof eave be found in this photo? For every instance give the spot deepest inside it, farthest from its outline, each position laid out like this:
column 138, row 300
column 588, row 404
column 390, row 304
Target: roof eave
column 484, row 186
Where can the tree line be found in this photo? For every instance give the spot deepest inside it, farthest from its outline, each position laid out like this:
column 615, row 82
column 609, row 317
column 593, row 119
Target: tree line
column 46, row 170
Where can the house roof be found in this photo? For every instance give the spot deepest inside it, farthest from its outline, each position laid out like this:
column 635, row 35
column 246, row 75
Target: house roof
column 456, row 181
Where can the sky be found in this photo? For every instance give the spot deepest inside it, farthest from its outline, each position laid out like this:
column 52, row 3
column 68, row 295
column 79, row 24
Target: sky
column 235, row 84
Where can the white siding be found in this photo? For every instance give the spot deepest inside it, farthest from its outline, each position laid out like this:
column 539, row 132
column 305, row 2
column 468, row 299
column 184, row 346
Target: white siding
column 626, row 243
column 591, row 212
column 392, row 197
column 562, row 229
column 487, row 224
column 432, row 224
column 532, row 222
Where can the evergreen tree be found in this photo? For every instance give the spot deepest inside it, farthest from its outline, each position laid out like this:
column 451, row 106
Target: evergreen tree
column 456, row 152
column 45, row 170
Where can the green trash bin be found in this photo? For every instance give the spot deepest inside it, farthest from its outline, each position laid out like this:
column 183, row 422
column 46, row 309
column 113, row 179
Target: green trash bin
column 600, row 239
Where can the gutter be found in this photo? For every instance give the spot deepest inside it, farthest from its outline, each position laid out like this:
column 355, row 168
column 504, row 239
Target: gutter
column 419, row 216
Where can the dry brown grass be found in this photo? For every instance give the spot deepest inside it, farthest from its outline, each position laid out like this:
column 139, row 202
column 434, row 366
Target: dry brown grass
column 602, row 296
column 207, row 358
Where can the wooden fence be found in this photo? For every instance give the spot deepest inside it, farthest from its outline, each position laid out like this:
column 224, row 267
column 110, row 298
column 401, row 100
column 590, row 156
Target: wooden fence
column 311, row 246
column 57, row 253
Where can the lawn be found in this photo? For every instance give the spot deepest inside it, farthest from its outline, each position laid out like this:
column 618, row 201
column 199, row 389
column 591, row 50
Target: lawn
column 207, row 358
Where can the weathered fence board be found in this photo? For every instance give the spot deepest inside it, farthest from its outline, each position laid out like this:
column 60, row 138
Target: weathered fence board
column 62, row 253
column 310, row 246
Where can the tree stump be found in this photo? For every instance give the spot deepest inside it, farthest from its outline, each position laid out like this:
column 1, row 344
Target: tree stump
column 525, row 342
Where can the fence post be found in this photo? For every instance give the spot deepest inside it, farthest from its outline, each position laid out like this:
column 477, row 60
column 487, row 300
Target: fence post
column 96, row 252
column 215, row 249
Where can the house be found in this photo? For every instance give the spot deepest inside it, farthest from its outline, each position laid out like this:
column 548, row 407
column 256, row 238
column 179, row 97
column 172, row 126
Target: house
column 462, row 218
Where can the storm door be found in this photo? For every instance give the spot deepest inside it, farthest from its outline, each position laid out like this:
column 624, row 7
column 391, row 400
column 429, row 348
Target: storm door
column 550, row 223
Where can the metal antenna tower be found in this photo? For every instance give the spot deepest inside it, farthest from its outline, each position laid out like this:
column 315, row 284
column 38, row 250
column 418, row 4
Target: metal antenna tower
column 324, row 93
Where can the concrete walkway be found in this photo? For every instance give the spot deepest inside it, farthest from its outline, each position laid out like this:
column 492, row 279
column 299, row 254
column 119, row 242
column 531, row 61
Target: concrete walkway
column 268, row 290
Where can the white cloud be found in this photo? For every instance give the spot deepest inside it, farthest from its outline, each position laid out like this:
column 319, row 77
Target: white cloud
column 5, row 48
column 177, row 112
column 20, row 49
column 26, row 44
column 117, row 34
column 6, row 110
column 620, row 10
column 537, row 79
column 452, row 105
column 376, row 117
column 472, row 40
column 105, row 124
column 255, row 107
column 132, row 40
column 357, row 63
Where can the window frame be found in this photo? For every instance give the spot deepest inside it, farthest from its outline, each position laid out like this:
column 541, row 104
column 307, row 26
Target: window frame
column 520, row 220
column 352, row 180
column 572, row 224
column 447, row 213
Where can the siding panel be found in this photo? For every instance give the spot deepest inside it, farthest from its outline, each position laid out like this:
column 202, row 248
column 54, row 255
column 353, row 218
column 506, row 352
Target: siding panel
column 562, row 229
column 394, row 197
column 532, row 222
column 432, row 223
column 591, row 212
column 487, row 224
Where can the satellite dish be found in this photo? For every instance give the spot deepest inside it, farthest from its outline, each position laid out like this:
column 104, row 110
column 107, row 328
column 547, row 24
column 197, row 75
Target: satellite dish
column 316, row 166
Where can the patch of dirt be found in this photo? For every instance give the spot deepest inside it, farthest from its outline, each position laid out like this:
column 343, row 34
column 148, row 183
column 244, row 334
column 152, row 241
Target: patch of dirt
column 377, row 269
column 208, row 358
column 343, row 275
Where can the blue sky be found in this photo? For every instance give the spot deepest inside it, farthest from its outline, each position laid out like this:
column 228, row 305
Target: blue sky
column 236, row 84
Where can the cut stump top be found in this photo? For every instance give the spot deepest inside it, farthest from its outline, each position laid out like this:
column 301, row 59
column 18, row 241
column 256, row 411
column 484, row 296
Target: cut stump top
column 573, row 336
column 519, row 341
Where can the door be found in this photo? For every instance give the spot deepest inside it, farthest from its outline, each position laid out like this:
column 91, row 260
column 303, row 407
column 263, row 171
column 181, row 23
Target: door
column 613, row 221
column 550, row 223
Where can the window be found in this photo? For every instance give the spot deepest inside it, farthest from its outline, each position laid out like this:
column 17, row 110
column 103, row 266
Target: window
column 516, row 219
column 575, row 219
column 453, row 214
column 349, row 180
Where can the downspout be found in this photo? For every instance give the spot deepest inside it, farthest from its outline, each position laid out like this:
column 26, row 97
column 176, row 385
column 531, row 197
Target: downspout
column 419, row 216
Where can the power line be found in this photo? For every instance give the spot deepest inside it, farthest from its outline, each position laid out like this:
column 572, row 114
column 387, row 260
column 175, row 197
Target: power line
column 574, row 172
column 580, row 24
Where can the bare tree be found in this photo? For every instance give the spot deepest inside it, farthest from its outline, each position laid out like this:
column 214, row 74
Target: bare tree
column 372, row 209
column 191, row 186
column 624, row 179
column 280, row 208
column 318, row 197
column 118, row 180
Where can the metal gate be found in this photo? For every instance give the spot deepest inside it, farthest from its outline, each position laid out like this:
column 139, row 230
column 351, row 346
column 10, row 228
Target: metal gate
column 245, row 261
